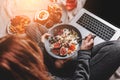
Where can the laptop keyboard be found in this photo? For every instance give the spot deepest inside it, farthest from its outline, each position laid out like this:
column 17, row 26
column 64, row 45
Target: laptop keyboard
column 97, row 27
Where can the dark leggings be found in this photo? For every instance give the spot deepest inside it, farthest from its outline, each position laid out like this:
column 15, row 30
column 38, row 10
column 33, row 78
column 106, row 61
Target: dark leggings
column 105, row 60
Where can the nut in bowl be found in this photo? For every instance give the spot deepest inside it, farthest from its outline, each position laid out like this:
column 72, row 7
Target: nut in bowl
column 18, row 24
column 63, row 42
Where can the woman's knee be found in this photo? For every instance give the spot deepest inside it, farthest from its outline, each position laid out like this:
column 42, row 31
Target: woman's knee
column 116, row 46
column 110, row 47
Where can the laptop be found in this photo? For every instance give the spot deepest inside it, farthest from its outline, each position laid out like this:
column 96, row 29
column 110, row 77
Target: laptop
column 87, row 23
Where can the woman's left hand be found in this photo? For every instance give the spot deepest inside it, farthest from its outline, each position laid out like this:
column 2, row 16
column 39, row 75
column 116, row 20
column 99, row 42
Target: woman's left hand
column 46, row 35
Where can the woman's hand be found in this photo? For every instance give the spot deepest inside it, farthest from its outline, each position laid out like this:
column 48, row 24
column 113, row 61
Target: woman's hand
column 88, row 43
column 46, row 35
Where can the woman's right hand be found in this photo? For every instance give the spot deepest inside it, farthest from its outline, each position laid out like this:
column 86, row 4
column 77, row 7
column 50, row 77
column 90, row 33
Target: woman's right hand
column 88, row 43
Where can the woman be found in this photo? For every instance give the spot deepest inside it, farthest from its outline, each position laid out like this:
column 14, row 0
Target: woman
column 105, row 58
column 22, row 59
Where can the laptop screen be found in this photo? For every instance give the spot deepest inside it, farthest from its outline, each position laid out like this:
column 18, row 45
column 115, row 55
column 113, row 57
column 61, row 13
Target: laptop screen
column 105, row 9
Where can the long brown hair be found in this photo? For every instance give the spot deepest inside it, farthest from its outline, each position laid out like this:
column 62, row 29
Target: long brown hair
column 21, row 59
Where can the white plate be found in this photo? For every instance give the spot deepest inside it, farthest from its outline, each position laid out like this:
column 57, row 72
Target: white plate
column 64, row 17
